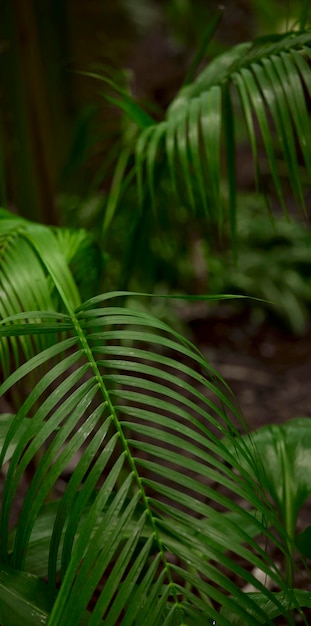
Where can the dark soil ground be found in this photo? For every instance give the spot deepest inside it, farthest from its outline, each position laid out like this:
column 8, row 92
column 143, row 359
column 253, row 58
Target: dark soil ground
column 267, row 367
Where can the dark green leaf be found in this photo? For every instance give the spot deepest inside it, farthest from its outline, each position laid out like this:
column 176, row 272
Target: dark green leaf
column 303, row 542
column 24, row 599
column 299, row 599
column 284, row 462
column 6, row 420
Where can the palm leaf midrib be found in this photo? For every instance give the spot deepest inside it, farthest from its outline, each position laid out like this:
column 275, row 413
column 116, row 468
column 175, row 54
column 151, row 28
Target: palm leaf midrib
column 125, row 445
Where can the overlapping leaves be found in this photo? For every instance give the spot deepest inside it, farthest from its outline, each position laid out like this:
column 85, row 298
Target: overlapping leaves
column 145, row 529
column 161, row 501
column 41, row 269
column 271, row 80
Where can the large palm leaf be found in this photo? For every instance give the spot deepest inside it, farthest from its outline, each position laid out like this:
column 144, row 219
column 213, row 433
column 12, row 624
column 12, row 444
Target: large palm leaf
column 157, row 511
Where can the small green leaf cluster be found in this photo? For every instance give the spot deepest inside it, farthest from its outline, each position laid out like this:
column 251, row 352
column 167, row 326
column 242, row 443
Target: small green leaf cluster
column 273, row 263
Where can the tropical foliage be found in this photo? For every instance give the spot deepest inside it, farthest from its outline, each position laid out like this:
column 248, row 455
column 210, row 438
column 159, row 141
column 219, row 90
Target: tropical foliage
column 264, row 75
column 273, row 263
column 133, row 492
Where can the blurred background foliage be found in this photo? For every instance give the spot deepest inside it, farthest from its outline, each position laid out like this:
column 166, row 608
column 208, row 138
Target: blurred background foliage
column 60, row 142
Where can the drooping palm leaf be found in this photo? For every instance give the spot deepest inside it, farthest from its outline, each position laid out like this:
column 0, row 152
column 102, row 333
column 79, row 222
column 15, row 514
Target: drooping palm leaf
column 263, row 86
column 41, row 268
column 142, row 519
column 271, row 79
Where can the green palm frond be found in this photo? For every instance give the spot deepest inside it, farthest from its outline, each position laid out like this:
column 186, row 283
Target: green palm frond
column 41, row 269
column 269, row 83
column 148, row 521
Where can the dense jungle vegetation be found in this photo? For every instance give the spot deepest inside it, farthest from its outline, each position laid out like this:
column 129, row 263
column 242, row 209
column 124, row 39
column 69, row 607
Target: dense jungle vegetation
column 155, row 157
